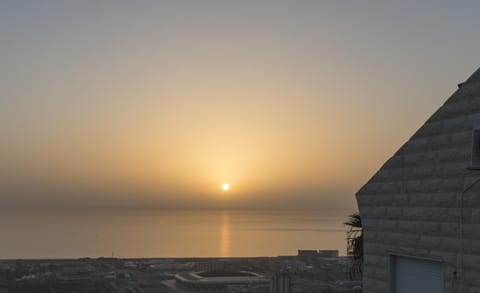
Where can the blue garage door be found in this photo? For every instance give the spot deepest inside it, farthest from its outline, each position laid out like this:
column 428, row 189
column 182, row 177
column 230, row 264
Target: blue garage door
column 415, row 275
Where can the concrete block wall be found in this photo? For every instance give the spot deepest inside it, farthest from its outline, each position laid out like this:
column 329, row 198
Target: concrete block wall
column 416, row 204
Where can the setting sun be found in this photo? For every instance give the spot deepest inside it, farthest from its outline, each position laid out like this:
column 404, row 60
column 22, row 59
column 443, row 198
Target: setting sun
column 225, row 186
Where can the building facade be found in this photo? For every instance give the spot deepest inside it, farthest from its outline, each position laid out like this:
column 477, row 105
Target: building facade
column 421, row 211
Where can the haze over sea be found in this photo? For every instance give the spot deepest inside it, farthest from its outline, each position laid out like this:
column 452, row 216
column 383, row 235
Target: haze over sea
column 169, row 233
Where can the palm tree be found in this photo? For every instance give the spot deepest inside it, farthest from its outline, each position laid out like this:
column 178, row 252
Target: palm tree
column 355, row 243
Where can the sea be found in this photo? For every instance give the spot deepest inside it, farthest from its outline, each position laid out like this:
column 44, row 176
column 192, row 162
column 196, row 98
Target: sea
column 169, row 233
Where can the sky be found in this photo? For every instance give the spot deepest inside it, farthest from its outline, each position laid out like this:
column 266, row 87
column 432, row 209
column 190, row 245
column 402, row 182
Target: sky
column 156, row 104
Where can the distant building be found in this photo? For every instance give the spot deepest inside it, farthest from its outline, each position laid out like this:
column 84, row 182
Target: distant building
column 258, row 288
column 328, row 253
column 421, row 211
column 281, row 283
column 208, row 266
column 219, row 280
column 307, row 254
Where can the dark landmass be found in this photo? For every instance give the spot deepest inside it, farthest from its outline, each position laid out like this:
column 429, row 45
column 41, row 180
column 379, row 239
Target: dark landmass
column 309, row 271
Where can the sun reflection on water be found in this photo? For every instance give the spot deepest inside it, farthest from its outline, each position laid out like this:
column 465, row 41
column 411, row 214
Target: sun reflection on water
column 225, row 235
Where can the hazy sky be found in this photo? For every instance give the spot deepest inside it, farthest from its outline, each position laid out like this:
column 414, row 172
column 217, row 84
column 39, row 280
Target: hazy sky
column 157, row 103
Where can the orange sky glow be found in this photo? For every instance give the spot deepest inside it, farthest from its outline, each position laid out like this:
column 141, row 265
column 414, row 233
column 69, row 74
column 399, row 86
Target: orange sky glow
column 158, row 105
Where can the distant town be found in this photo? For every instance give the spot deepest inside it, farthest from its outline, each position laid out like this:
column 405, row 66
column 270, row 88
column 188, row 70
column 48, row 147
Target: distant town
column 308, row 271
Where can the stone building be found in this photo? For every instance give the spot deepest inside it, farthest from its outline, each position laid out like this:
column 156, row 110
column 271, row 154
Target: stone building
column 421, row 211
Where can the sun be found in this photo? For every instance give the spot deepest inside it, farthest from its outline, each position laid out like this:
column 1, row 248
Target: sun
column 225, row 186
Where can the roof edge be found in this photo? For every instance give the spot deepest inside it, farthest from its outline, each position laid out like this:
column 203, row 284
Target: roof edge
column 475, row 77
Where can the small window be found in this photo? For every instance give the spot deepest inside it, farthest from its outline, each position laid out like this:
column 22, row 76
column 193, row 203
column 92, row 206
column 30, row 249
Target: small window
column 475, row 164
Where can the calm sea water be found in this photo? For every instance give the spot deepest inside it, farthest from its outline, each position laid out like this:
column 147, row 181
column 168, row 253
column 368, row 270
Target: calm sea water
column 169, row 233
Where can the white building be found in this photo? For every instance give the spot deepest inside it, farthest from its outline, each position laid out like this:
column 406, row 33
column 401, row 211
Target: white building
column 218, row 281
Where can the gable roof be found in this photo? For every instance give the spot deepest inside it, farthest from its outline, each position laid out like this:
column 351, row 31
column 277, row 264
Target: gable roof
column 436, row 158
